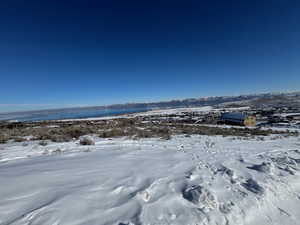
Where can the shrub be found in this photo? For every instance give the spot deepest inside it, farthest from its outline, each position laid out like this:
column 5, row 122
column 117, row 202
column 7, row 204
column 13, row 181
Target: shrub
column 115, row 132
column 125, row 122
column 19, row 139
column 165, row 136
column 86, row 141
column 60, row 138
column 163, row 132
column 143, row 134
column 43, row 143
column 75, row 132
column 3, row 139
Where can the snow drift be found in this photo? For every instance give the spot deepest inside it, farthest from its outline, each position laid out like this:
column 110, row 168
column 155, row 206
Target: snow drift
column 185, row 180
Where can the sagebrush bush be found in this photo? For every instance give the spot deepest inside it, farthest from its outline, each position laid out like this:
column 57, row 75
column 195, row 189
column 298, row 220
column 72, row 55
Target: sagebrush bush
column 43, row 143
column 19, row 139
column 3, row 139
column 144, row 127
column 86, row 141
column 115, row 132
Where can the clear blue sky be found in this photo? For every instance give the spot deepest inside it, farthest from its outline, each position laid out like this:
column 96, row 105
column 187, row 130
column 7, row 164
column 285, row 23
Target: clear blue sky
column 67, row 53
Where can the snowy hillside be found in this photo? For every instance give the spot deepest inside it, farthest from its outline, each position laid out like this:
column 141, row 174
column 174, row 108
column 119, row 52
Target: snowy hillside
column 185, row 180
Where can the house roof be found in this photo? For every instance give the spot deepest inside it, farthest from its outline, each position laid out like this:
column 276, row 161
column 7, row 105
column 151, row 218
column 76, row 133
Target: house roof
column 233, row 116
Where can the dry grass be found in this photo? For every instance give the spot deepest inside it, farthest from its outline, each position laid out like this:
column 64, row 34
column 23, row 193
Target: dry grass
column 134, row 128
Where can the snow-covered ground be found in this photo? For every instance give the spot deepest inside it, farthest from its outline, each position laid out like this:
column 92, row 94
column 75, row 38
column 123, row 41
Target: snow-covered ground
column 177, row 111
column 184, row 181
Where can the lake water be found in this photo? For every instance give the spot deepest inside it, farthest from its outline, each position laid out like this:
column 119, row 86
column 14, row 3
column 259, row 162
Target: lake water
column 67, row 114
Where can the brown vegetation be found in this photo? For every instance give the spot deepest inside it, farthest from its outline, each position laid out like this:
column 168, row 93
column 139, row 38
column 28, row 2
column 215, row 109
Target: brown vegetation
column 86, row 141
column 133, row 127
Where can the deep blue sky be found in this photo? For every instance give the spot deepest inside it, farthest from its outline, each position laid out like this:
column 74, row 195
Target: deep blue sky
column 68, row 53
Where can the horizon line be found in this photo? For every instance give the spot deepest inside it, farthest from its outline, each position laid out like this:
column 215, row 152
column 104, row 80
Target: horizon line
column 77, row 106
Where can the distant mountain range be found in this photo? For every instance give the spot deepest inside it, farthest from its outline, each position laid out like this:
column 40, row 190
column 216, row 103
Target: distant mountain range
column 267, row 99
column 256, row 100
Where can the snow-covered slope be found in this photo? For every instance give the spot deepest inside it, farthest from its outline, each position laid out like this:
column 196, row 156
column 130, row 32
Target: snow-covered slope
column 185, row 180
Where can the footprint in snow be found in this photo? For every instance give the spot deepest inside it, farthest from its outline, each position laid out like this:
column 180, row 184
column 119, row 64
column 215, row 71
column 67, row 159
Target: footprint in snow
column 253, row 186
column 263, row 167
